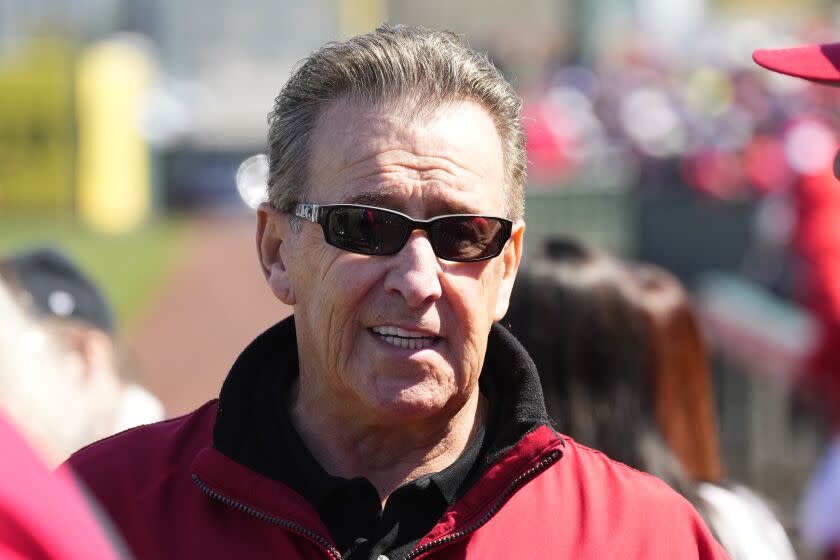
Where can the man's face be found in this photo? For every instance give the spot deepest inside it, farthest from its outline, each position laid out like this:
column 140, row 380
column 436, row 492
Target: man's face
column 352, row 311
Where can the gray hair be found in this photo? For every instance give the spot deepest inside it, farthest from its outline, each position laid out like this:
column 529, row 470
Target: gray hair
column 404, row 66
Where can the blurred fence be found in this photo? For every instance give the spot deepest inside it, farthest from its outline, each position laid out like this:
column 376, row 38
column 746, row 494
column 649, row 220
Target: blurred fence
column 604, row 218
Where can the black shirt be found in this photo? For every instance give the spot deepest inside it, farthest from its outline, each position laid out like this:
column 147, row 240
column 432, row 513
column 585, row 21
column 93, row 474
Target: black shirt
column 351, row 509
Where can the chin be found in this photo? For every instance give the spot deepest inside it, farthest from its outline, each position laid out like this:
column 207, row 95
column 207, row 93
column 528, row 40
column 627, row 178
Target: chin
column 413, row 403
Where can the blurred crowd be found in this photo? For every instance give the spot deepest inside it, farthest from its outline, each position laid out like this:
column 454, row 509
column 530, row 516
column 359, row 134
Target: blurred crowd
column 645, row 121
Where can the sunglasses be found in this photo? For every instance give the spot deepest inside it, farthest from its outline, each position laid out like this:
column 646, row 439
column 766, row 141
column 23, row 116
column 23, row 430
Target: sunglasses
column 375, row 231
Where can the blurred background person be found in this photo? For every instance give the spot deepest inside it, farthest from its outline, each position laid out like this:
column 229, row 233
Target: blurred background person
column 43, row 515
column 819, row 246
column 81, row 396
column 625, row 371
column 685, row 412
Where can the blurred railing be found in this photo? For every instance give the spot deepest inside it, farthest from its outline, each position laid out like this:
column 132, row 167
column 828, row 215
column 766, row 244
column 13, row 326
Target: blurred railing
column 604, row 218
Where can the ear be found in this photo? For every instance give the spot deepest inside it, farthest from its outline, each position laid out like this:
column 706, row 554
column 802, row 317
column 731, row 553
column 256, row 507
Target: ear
column 511, row 255
column 272, row 245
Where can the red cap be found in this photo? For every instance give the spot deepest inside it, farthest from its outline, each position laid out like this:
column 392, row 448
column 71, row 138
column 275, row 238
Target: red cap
column 818, row 63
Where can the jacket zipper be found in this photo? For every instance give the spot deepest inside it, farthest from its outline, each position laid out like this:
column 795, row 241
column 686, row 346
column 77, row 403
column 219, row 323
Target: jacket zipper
column 331, row 550
column 334, row 553
column 512, row 487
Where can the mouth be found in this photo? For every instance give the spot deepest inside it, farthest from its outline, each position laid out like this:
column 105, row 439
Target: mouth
column 403, row 338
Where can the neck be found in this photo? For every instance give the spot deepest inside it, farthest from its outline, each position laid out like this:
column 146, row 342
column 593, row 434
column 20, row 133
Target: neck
column 386, row 454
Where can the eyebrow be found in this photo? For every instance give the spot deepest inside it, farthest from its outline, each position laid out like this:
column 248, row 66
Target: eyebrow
column 371, row 198
column 385, row 199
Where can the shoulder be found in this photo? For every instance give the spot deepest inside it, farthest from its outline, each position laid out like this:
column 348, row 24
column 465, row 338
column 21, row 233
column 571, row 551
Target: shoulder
column 142, row 477
column 595, row 472
column 629, row 506
column 588, row 506
column 135, row 454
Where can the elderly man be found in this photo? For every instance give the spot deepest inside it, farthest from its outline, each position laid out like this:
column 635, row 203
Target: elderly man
column 390, row 417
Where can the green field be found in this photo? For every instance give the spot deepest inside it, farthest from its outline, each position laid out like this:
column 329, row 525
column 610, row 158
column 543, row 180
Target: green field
column 130, row 269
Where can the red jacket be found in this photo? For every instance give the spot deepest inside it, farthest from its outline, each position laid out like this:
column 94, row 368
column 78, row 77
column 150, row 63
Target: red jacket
column 175, row 496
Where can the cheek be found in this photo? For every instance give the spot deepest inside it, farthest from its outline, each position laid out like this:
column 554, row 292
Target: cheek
column 472, row 299
column 335, row 288
column 475, row 293
column 343, row 284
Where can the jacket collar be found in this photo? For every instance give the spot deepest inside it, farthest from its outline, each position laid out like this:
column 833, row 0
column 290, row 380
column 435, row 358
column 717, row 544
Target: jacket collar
column 234, row 469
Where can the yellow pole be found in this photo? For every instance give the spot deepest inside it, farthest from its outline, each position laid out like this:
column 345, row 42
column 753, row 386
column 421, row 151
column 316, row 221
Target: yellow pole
column 114, row 179
column 360, row 16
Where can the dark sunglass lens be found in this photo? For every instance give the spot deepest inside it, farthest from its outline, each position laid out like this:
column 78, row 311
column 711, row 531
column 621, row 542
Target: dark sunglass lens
column 365, row 230
column 467, row 238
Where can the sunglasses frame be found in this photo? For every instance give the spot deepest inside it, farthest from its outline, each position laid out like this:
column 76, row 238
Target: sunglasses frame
column 319, row 214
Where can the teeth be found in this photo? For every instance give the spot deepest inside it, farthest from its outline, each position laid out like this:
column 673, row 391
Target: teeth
column 402, row 338
column 409, row 343
column 396, row 331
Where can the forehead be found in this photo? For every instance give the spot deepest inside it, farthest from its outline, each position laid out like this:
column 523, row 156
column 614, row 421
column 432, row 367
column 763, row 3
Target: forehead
column 448, row 159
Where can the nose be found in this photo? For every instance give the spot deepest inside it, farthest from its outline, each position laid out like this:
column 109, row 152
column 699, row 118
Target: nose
column 415, row 273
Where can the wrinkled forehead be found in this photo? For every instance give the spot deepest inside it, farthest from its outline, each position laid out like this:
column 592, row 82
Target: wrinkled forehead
column 453, row 148
column 347, row 120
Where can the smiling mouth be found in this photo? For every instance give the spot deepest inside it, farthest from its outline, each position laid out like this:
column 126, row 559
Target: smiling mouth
column 402, row 338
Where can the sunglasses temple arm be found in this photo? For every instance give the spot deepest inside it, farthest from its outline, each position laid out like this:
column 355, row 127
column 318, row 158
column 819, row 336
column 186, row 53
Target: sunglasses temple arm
column 310, row 212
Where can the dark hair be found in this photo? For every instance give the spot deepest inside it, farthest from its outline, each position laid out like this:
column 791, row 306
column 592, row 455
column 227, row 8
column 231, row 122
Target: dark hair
column 573, row 315
column 584, row 318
